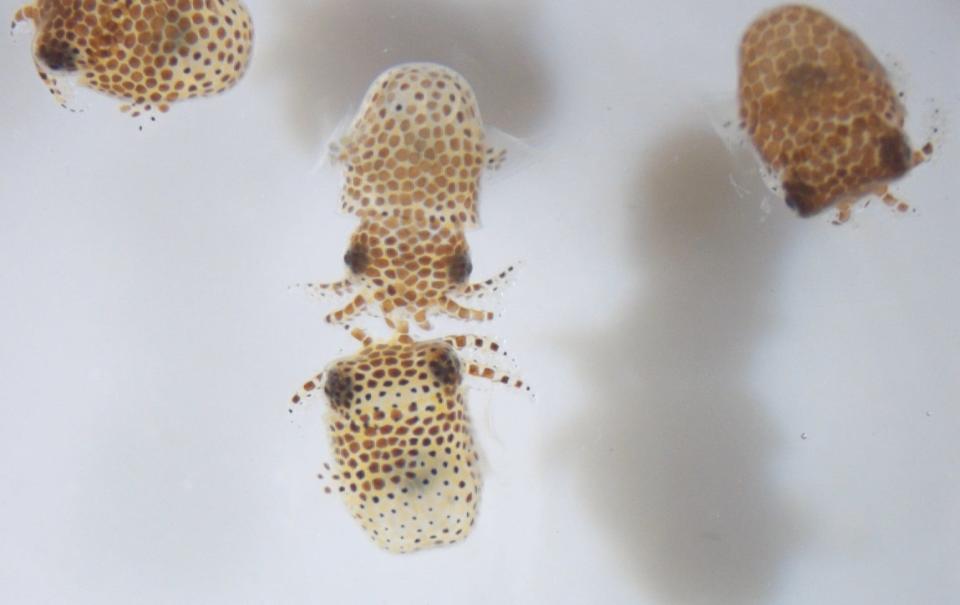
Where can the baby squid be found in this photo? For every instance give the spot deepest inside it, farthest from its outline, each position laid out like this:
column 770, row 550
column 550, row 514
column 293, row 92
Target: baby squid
column 821, row 112
column 149, row 53
column 404, row 458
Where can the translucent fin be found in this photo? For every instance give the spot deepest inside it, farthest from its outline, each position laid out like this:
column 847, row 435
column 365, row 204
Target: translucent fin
column 722, row 112
column 337, row 127
column 506, row 154
column 723, row 115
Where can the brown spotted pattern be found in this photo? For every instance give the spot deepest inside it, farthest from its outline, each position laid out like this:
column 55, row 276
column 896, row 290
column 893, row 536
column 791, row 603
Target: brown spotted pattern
column 820, row 110
column 416, row 148
column 408, row 270
column 150, row 53
column 404, row 458
column 405, row 461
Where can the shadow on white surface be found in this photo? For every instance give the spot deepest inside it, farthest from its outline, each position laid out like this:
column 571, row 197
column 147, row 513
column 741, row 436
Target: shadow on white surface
column 681, row 476
column 333, row 50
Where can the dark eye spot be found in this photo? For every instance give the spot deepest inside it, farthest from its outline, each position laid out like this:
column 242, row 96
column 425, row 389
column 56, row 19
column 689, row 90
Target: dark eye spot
column 460, row 267
column 895, row 155
column 802, row 198
column 58, row 55
column 356, row 258
column 338, row 388
column 445, row 367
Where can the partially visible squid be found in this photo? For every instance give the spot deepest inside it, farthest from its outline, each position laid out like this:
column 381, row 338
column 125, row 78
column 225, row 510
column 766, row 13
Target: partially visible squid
column 148, row 53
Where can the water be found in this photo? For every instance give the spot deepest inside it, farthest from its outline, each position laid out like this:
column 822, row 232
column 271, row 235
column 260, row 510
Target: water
column 679, row 335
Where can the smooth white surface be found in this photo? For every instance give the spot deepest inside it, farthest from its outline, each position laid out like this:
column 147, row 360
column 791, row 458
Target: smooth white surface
column 733, row 405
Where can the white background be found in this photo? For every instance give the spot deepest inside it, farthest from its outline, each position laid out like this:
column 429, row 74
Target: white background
column 733, row 405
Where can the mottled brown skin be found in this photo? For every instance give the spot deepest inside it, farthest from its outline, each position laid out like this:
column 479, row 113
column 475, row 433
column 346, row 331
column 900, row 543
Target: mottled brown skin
column 416, row 148
column 819, row 109
column 407, row 270
column 405, row 462
column 402, row 445
column 150, row 53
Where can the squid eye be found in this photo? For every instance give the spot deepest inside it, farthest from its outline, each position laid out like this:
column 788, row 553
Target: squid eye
column 445, row 367
column 58, row 55
column 356, row 258
column 460, row 267
column 338, row 388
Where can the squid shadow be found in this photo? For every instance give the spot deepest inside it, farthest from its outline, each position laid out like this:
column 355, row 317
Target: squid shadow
column 682, row 475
